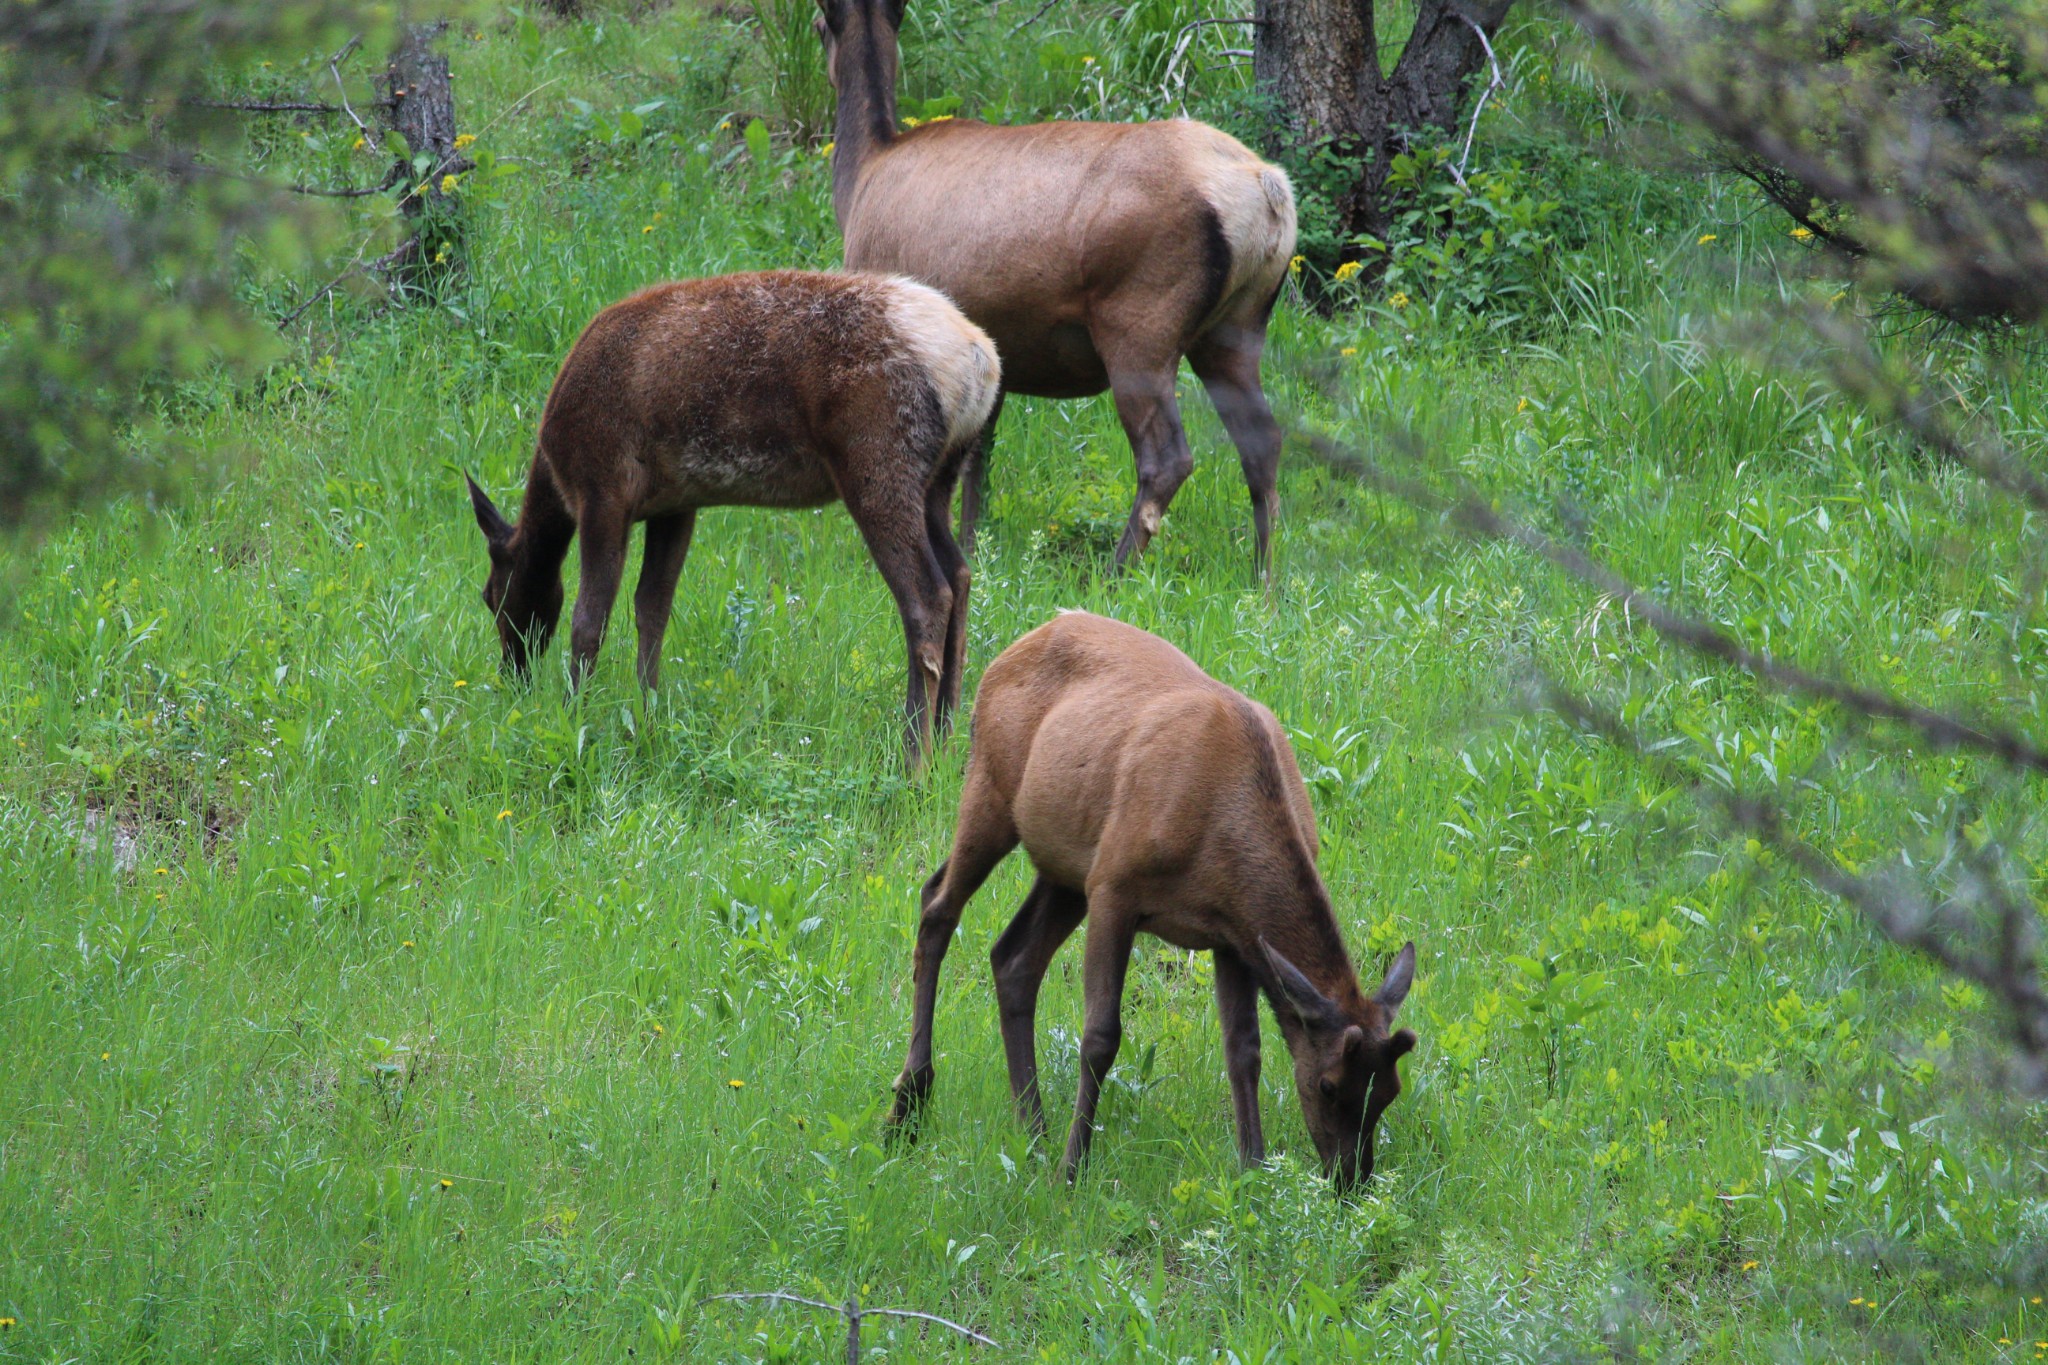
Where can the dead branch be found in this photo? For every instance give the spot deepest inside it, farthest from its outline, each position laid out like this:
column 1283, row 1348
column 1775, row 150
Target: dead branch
column 854, row 1314
column 1478, row 515
column 265, row 106
column 1493, row 83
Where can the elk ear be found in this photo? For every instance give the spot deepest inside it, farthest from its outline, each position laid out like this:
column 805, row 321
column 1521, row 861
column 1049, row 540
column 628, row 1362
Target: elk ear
column 894, row 9
column 489, row 519
column 831, row 16
column 1297, row 990
column 1400, row 977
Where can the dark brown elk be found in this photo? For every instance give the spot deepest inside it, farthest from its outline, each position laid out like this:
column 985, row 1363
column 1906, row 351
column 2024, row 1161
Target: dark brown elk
column 780, row 389
column 1151, row 797
column 1096, row 254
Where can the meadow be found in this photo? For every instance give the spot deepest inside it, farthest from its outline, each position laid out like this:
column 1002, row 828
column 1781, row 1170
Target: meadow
column 364, row 1006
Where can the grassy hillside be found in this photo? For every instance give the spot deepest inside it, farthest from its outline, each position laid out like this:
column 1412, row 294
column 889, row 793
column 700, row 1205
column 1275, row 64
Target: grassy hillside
column 360, row 1006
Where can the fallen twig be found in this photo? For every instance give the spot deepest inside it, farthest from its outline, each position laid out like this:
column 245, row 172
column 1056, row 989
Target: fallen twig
column 854, row 1313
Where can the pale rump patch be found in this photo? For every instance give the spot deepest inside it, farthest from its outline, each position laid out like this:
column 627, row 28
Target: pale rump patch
column 1254, row 203
column 957, row 355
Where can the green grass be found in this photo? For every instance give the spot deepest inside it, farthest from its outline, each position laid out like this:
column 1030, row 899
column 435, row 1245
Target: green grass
column 437, row 1018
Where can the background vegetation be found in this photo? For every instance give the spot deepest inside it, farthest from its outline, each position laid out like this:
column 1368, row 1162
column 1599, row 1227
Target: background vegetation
column 360, row 1007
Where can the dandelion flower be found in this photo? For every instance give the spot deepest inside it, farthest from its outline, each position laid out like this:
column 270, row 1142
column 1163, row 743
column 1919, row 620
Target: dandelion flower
column 737, row 1084
column 2005, row 1341
column 1706, row 237
column 465, row 140
column 1855, row 1301
column 358, row 145
column 163, row 872
column 648, row 228
column 1801, row 233
column 9, row 1322
column 359, row 544
column 1347, row 270
column 1400, row 299
column 106, row 1056
column 1087, row 61
column 1349, row 350
column 826, row 150
column 505, row 815
column 462, row 682
column 1294, row 265
column 2036, row 1300
column 446, row 1183
column 1522, row 406
column 1749, row 1265
column 659, row 1030
column 406, row 944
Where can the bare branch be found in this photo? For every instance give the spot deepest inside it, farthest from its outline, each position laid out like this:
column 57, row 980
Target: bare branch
column 854, row 1315
column 1493, row 83
column 266, row 106
column 1479, row 516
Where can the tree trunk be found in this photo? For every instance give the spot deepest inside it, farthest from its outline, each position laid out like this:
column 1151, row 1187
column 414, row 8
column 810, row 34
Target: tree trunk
column 1319, row 62
column 421, row 109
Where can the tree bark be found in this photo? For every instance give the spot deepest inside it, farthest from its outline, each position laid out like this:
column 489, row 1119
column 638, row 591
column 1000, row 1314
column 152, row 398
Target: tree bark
column 420, row 105
column 1319, row 62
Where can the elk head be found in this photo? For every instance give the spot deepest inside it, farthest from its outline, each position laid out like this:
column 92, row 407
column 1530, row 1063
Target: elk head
column 1345, row 1069
column 863, row 26
column 525, row 611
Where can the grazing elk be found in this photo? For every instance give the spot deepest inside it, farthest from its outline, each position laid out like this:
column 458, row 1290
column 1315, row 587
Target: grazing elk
column 779, row 389
column 1151, row 797
column 1096, row 254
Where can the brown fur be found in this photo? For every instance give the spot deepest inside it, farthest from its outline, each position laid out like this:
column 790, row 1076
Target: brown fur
column 780, row 389
column 1095, row 254
column 1151, row 797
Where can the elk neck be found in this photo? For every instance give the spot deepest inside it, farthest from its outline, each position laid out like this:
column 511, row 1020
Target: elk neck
column 866, row 119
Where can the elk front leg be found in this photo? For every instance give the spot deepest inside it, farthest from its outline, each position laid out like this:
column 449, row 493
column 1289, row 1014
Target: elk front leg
column 1019, row 959
column 1108, row 957
column 1237, row 1006
column 661, row 563
column 603, row 537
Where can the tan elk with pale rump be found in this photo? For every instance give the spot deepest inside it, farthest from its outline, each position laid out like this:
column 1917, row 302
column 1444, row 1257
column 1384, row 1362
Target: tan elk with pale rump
column 780, row 389
column 1151, row 797
column 1095, row 254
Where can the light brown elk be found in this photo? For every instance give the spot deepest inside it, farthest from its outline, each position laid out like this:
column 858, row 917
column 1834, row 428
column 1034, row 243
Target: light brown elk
column 1151, row 797
column 1096, row 254
column 780, row 389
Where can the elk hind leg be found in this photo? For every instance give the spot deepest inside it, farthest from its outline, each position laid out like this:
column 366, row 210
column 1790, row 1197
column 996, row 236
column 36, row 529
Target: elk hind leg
column 892, row 521
column 1019, row 960
column 953, row 568
column 1107, row 958
column 1230, row 373
column 1150, row 414
column 984, row 837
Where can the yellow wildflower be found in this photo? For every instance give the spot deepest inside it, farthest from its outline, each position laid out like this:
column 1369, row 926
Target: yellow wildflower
column 163, row 872
column 648, row 228
column 106, row 1056
column 1294, row 265
column 465, row 140
column 504, row 815
column 1349, row 350
column 358, row 145
column 1087, row 61
column 446, row 1183
column 1856, row 1301
column 1749, row 1265
column 1347, row 270
column 1400, row 300
column 826, row 150
column 659, row 1030
column 910, row 122
column 737, row 1084
column 1801, row 233
column 9, row 1322
column 448, row 183
column 2036, row 1300
column 1706, row 237
column 1522, row 406
column 462, row 682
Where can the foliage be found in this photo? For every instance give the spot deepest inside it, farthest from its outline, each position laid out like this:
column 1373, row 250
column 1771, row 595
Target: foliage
column 122, row 224
column 327, row 941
